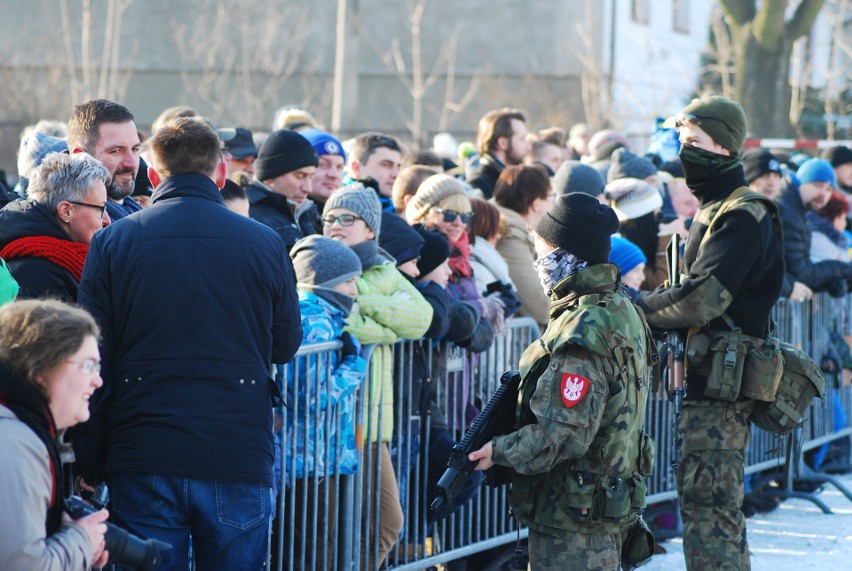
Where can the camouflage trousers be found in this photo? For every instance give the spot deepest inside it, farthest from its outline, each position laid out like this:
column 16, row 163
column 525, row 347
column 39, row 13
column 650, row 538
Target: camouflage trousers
column 710, row 484
column 574, row 552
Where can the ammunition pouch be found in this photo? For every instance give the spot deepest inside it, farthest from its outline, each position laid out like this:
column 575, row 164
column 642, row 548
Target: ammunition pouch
column 782, row 379
column 735, row 365
column 801, row 381
column 638, row 546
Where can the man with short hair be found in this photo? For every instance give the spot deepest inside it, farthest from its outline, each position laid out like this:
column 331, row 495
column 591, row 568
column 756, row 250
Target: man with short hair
column 329, row 174
column 501, row 141
column 762, row 172
column 278, row 194
column 809, row 189
column 377, row 156
column 732, row 276
column 195, row 304
column 240, row 146
column 107, row 131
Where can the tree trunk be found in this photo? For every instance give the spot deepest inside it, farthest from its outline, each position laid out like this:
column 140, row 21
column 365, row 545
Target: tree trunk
column 763, row 88
column 763, row 45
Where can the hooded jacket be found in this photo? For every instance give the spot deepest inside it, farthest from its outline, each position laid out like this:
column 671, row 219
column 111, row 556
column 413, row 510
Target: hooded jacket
column 36, row 276
column 195, row 303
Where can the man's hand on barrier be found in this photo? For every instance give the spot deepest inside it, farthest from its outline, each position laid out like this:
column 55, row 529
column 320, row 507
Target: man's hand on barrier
column 801, row 292
column 483, row 455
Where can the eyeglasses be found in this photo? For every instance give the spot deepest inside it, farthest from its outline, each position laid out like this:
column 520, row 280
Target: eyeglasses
column 342, row 219
column 685, row 118
column 451, row 215
column 89, row 367
column 101, row 207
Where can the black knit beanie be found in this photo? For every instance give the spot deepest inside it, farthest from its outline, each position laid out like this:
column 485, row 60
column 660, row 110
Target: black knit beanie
column 284, row 151
column 758, row 162
column 436, row 250
column 837, row 156
column 580, row 224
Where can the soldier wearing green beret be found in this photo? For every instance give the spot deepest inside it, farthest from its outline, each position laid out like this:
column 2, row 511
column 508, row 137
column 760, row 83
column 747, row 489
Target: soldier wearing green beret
column 580, row 457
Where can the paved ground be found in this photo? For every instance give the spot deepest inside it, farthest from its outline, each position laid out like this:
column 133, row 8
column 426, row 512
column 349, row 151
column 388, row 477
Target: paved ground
column 795, row 537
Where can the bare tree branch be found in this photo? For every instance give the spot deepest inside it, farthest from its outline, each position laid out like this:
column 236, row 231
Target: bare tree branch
column 803, row 18
column 768, row 24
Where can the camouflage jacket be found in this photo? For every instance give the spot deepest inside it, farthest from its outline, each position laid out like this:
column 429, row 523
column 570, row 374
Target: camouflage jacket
column 580, row 458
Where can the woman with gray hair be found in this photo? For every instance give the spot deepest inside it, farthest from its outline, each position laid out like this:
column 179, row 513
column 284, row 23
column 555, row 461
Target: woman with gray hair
column 45, row 238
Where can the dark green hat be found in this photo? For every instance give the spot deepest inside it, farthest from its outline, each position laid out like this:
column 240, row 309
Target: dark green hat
column 724, row 120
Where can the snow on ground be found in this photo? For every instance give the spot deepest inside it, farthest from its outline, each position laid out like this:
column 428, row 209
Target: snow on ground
column 795, row 537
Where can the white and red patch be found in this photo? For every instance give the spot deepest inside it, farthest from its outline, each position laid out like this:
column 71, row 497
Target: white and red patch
column 573, row 388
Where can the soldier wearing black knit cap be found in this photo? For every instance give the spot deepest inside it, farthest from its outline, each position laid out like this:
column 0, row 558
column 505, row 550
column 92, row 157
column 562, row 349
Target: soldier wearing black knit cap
column 580, row 413
column 733, row 274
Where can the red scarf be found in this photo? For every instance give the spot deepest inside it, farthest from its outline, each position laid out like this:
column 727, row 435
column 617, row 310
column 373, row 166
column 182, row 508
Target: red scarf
column 459, row 255
column 70, row 255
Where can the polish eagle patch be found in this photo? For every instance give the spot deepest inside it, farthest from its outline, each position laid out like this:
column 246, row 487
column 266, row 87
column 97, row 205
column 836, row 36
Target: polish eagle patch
column 574, row 388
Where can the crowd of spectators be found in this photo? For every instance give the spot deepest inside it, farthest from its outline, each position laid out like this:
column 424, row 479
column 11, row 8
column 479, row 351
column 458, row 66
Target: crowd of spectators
column 385, row 243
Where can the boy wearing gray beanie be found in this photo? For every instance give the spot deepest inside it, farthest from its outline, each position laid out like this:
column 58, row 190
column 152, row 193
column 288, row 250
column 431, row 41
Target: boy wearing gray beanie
column 389, row 309
column 326, row 271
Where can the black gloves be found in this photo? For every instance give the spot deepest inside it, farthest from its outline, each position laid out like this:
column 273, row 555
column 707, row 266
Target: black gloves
column 350, row 346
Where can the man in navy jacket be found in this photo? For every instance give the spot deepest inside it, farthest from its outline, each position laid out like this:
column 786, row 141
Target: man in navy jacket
column 195, row 304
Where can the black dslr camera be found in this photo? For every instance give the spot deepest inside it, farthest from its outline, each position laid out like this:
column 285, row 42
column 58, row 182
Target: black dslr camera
column 125, row 549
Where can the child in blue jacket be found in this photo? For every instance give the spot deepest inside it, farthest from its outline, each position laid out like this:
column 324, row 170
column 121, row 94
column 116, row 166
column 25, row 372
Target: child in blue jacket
column 321, row 389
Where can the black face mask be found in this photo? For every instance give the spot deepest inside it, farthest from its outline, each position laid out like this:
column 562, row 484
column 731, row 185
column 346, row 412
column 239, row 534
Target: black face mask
column 700, row 166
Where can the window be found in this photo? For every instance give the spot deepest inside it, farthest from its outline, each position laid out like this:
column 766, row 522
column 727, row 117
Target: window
column 640, row 11
column 680, row 16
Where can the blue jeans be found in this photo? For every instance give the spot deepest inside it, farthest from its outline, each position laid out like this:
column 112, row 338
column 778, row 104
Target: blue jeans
column 228, row 521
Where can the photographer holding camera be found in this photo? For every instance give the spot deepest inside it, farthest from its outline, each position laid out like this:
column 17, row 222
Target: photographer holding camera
column 49, row 368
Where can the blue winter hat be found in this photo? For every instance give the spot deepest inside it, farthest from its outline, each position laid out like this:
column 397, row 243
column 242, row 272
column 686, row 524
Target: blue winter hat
column 625, row 254
column 817, row 170
column 323, row 143
column 34, row 147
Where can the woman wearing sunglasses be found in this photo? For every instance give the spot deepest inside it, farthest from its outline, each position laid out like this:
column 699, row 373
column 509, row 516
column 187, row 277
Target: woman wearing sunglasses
column 441, row 204
column 45, row 238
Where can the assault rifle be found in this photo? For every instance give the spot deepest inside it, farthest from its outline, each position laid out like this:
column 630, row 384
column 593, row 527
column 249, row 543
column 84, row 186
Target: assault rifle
column 676, row 348
column 497, row 418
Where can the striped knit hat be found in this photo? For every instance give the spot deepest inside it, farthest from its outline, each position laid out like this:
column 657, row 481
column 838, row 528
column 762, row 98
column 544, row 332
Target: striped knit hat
column 632, row 198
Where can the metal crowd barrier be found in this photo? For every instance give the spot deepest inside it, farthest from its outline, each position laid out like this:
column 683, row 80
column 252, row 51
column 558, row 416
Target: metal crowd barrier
column 327, row 520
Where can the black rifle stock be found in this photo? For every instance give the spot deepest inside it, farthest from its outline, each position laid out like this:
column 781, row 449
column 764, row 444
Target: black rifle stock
column 676, row 349
column 498, row 417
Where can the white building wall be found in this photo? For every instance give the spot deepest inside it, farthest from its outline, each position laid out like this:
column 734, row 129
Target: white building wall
column 655, row 66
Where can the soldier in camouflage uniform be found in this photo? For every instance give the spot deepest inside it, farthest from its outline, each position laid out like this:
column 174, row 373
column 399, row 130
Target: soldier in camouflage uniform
column 731, row 276
column 581, row 457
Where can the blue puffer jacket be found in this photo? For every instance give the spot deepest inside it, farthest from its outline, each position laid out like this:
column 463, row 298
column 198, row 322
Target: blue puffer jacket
column 321, row 406
column 828, row 275
column 195, row 303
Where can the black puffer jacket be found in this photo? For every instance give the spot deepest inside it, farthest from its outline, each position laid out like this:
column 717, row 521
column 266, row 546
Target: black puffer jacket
column 828, row 275
column 277, row 212
column 36, row 276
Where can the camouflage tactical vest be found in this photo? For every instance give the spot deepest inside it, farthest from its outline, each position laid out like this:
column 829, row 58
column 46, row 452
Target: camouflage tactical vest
column 602, row 491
